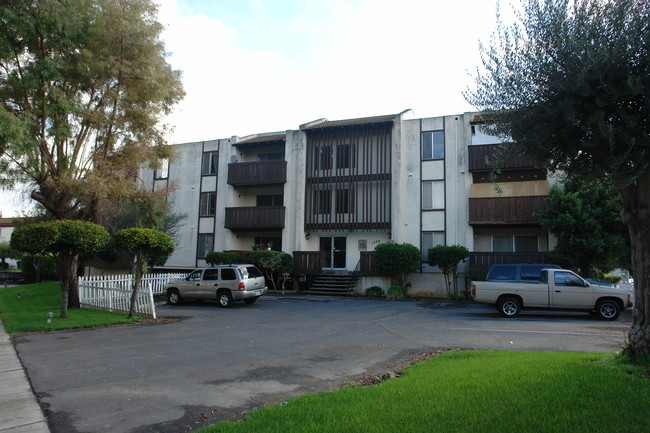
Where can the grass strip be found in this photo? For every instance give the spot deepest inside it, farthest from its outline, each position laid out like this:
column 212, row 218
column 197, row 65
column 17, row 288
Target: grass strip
column 475, row 391
column 28, row 313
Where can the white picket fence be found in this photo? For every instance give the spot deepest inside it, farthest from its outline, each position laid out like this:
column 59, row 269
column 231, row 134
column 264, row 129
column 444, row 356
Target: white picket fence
column 113, row 292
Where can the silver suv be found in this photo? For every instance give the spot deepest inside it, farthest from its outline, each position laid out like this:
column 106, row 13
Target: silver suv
column 224, row 283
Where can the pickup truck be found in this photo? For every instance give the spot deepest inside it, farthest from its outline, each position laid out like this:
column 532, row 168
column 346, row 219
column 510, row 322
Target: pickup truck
column 557, row 289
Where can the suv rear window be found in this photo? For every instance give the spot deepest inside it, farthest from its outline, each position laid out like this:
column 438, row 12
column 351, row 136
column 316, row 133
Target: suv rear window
column 253, row 272
column 503, row 273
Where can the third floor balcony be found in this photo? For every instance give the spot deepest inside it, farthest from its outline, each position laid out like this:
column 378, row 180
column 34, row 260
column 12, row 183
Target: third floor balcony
column 257, row 173
column 481, row 158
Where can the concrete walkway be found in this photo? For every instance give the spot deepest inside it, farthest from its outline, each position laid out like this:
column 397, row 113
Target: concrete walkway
column 19, row 410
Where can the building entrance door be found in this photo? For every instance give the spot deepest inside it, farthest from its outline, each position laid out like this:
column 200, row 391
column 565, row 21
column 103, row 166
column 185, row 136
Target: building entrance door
column 333, row 252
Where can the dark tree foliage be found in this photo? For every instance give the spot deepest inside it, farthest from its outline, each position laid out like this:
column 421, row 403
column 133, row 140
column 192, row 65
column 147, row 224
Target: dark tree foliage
column 568, row 82
column 586, row 218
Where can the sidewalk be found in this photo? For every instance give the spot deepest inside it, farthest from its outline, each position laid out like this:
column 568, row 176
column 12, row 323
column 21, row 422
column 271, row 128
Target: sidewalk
column 19, row 410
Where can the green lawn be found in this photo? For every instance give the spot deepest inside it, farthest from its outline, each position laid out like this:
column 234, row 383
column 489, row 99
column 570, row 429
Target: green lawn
column 475, row 392
column 29, row 312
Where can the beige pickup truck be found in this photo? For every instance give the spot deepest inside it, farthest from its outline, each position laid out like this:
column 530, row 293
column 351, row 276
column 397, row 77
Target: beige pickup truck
column 557, row 289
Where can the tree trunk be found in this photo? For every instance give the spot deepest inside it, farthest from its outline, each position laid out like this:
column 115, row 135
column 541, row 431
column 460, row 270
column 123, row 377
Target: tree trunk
column 69, row 283
column 137, row 273
column 636, row 214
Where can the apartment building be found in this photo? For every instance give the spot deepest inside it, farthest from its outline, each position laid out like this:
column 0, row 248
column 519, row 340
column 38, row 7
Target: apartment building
column 330, row 191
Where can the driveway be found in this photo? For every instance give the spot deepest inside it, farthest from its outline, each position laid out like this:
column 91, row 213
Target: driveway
column 214, row 364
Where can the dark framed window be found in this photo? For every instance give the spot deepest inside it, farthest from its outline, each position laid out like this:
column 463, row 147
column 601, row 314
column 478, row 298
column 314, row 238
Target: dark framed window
column 270, row 156
column 323, row 201
column 344, row 201
column 345, row 156
column 430, row 240
column 205, row 245
column 208, row 204
column 270, row 200
column 515, row 243
column 433, row 145
column 210, row 163
column 323, row 158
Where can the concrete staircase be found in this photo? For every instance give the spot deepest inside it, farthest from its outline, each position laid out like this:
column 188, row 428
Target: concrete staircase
column 334, row 284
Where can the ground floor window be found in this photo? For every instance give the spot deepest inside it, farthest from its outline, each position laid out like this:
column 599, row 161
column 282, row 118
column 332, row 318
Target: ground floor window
column 265, row 242
column 205, row 245
column 430, row 240
column 515, row 243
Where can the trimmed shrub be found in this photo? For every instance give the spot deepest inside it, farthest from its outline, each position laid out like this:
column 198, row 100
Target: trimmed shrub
column 395, row 292
column 374, row 291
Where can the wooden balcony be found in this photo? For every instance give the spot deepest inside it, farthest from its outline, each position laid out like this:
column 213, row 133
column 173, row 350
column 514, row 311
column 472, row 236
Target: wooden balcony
column 257, row 173
column 505, row 210
column 254, row 217
column 481, row 156
column 486, row 259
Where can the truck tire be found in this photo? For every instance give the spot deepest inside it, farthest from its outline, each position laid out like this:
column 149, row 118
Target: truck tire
column 509, row 306
column 173, row 297
column 608, row 309
column 225, row 298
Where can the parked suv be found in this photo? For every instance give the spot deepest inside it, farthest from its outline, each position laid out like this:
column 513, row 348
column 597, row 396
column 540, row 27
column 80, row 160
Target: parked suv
column 225, row 284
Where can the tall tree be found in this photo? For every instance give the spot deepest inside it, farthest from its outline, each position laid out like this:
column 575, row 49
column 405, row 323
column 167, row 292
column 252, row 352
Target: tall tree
column 586, row 218
column 83, row 87
column 569, row 81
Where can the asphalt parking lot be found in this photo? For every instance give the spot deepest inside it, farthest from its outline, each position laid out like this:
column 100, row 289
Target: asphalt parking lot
column 212, row 364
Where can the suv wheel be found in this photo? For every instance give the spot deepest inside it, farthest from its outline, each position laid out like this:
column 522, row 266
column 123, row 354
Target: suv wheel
column 173, row 297
column 225, row 298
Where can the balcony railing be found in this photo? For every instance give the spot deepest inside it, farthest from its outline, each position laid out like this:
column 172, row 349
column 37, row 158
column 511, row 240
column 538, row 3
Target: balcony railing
column 480, row 153
column 307, row 262
column 486, row 259
column 257, row 173
column 505, row 210
column 254, row 217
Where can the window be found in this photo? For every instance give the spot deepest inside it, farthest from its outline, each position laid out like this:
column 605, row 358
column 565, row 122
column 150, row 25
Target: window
column 323, row 158
column 344, row 156
column 209, row 163
column 208, row 204
column 211, row 274
column 515, row 243
column 205, row 245
column 430, row 240
column 567, row 279
column 323, row 201
column 162, row 171
column 270, row 200
column 270, row 156
column 433, row 194
column 228, row 274
column 433, row 145
column 503, row 273
column 344, row 202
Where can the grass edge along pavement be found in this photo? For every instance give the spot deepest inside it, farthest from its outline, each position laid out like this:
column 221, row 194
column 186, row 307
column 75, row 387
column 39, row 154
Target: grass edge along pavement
column 28, row 313
column 475, row 391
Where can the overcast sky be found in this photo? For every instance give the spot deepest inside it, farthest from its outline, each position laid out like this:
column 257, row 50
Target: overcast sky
column 252, row 66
